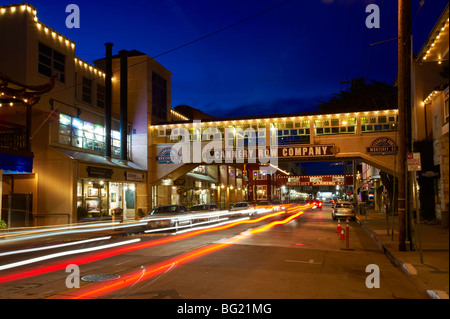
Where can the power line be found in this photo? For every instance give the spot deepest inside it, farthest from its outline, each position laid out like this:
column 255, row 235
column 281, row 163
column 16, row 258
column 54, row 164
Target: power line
column 198, row 39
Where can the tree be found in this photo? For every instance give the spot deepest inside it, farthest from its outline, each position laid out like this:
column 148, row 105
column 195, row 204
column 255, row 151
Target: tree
column 362, row 96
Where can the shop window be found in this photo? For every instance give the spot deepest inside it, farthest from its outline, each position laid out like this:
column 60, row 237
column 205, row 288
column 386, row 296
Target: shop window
column 77, row 133
column 261, row 192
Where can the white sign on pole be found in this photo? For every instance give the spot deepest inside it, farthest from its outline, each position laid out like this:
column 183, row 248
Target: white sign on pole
column 413, row 162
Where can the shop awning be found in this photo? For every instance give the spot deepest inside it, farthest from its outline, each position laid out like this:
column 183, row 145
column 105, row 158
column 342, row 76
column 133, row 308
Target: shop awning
column 97, row 159
column 16, row 164
column 202, row 177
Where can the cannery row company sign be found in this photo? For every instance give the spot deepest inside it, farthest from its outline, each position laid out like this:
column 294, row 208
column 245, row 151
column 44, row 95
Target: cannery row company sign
column 316, row 180
column 382, row 146
column 250, row 154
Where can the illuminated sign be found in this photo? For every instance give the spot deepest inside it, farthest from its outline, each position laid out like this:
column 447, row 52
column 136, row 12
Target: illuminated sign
column 382, row 146
column 318, row 180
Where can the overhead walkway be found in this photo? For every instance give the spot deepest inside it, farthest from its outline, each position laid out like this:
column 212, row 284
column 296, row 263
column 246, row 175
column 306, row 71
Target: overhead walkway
column 370, row 137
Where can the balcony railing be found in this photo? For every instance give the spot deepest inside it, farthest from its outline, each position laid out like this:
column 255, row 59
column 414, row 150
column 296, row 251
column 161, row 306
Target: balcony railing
column 13, row 139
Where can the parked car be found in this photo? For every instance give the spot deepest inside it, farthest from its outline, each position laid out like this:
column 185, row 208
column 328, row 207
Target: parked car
column 204, row 208
column 243, row 206
column 343, row 209
column 169, row 216
column 277, row 205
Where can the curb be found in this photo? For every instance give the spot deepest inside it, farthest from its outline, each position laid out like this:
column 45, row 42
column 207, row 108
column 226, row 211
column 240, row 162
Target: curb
column 408, row 269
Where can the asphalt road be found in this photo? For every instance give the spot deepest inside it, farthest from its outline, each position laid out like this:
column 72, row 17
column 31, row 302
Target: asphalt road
column 302, row 258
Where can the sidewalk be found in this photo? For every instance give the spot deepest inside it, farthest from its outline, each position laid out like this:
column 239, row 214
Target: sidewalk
column 432, row 274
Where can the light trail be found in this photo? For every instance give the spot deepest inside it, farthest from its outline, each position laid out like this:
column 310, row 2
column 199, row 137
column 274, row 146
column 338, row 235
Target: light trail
column 40, row 233
column 29, row 250
column 134, row 247
column 66, row 253
column 98, row 290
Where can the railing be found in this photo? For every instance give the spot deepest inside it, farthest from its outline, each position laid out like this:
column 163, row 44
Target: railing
column 13, row 139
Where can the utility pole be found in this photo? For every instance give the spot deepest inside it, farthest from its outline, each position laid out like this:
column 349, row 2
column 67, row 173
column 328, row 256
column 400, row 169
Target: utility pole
column 404, row 83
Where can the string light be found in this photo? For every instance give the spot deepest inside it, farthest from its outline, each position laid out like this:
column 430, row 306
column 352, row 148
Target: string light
column 28, row 9
column 433, row 42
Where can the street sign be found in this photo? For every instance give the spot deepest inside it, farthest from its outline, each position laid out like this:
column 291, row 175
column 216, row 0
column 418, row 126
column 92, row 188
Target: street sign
column 413, row 162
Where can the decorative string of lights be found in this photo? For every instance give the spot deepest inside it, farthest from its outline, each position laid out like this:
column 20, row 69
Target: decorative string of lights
column 179, row 115
column 343, row 116
column 430, row 97
column 433, row 42
column 87, row 66
column 13, row 93
column 25, row 8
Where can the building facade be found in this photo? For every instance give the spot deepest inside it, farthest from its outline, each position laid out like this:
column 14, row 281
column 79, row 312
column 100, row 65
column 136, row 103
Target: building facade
column 430, row 111
column 70, row 176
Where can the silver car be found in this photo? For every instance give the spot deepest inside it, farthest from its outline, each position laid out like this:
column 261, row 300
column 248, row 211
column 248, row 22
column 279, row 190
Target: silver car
column 244, row 207
column 169, row 216
column 343, row 209
column 205, row 212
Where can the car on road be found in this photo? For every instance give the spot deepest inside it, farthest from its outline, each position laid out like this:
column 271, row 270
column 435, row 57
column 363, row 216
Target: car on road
column 316, row 204
column 343, row 209
column 169, row 216
column 243, row 206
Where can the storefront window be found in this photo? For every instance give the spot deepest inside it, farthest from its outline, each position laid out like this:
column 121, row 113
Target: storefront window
column 101, row 198
column 82, row 134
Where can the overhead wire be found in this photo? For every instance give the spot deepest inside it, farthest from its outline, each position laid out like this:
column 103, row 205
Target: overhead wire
column 196, row 40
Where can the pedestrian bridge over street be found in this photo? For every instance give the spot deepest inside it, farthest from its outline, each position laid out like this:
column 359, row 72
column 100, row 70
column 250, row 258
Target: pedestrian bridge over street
column 370, row 137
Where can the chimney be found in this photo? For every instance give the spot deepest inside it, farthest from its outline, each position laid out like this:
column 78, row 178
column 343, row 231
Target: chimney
column 123, row 105
column 108, row 99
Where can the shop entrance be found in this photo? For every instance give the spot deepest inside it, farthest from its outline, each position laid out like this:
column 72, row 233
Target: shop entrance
column 123, row 195
column 99, row 198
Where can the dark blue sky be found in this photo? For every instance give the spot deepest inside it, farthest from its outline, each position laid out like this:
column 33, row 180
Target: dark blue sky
column 286, row 60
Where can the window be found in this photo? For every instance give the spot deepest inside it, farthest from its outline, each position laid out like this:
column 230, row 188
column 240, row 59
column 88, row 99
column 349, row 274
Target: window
column 336, row 126
column 51, row 62
column 87, row 90
column 261, row 192
column 77, row 133
column 380, row 123
column 100, row 96
column 159, row 96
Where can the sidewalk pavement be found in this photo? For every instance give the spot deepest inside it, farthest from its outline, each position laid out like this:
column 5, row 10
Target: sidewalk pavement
column 430, row 272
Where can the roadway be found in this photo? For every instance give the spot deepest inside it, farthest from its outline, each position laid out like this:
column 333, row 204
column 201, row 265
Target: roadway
column 293, row 255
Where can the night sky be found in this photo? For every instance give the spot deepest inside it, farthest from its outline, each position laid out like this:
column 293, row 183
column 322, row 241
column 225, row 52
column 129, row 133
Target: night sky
column 272, row 57
column 287, row 59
